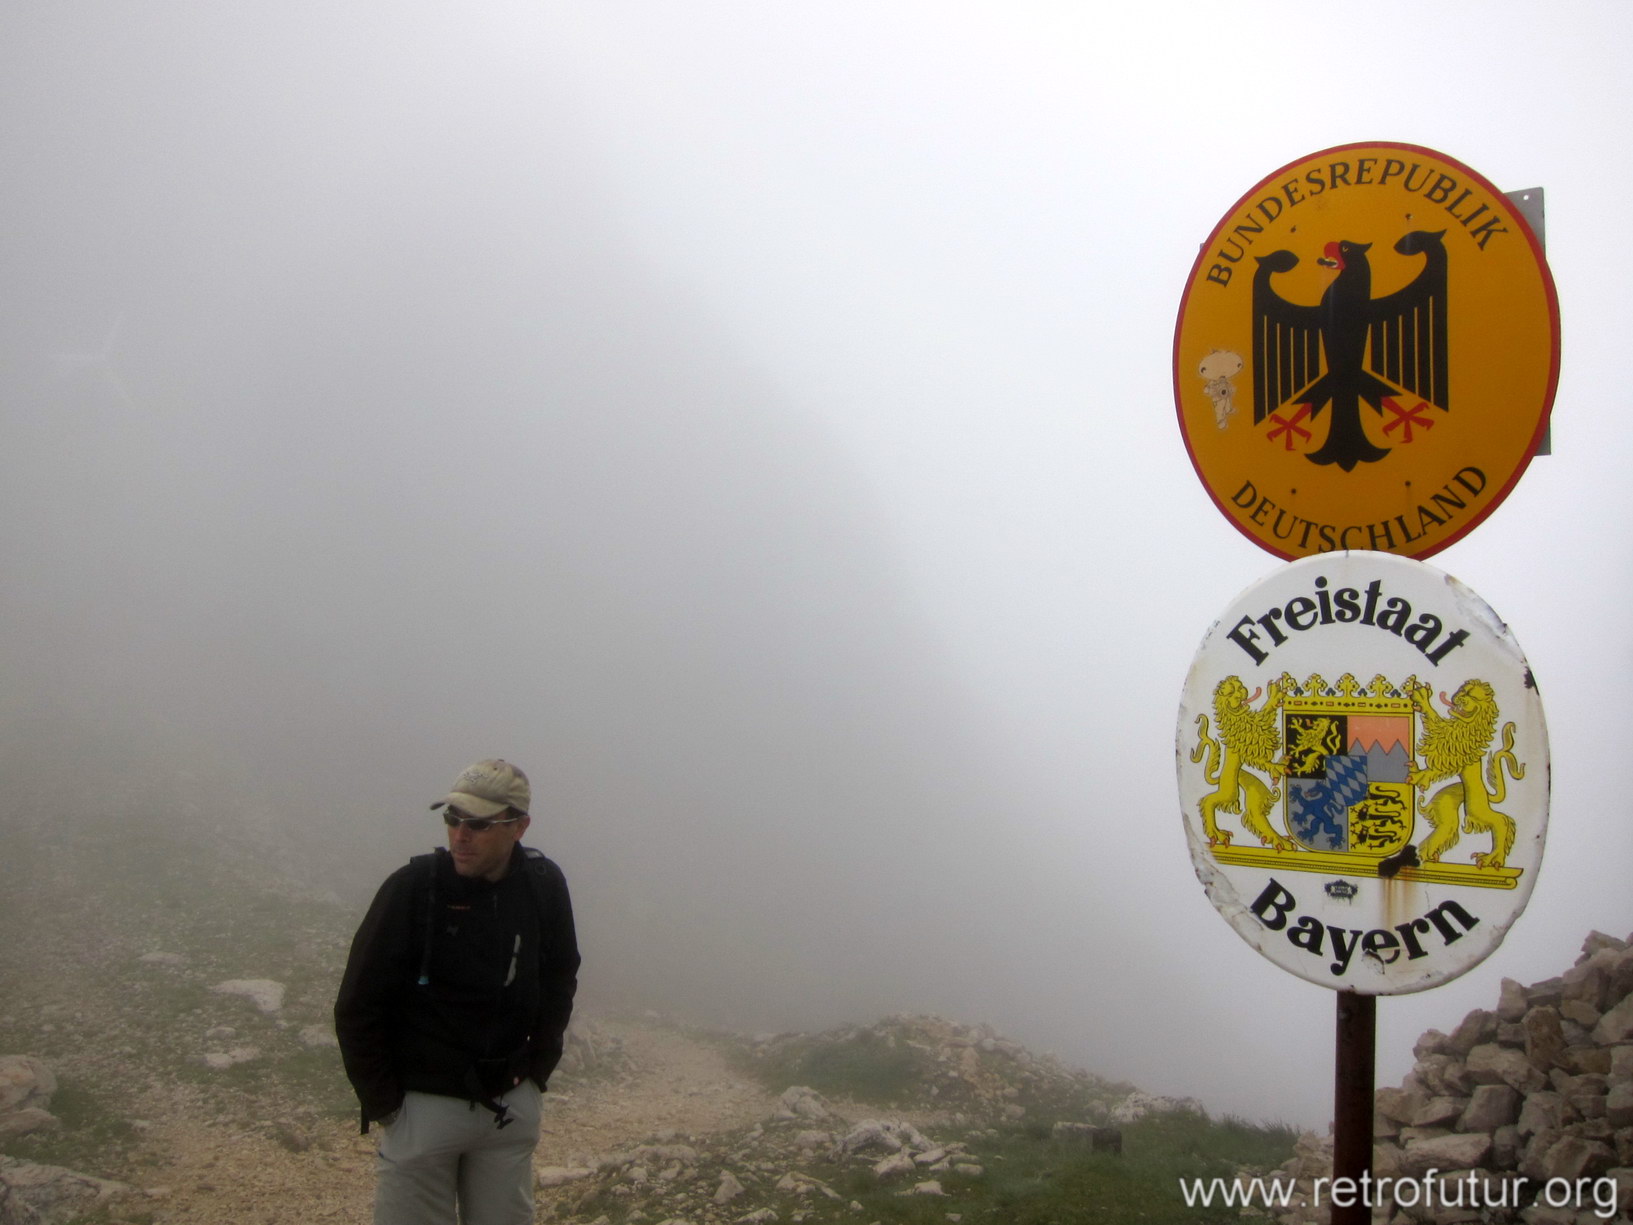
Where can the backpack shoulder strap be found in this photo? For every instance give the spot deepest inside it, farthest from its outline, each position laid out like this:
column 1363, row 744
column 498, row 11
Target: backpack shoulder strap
column 426, row 868
column 545, row 880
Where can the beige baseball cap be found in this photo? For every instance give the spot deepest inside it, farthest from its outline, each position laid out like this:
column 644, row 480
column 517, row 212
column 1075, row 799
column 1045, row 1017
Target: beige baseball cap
column 488, row 788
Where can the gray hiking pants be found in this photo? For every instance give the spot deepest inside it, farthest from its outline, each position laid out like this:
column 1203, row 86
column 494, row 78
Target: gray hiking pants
column 439, row 1150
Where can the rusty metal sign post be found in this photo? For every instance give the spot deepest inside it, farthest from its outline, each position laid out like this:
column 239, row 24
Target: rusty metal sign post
column 1353, row 1078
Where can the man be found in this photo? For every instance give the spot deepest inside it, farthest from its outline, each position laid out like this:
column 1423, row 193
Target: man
column 452, row 1011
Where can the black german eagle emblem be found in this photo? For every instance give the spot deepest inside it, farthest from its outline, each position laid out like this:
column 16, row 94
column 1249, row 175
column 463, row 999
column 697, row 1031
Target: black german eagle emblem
column 1351, row 349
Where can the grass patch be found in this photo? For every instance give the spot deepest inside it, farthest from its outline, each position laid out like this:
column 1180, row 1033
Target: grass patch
column 867, row 1067
column 926, row 1063
column 1028, row 1178
column 93, row 1127
column 1037, row 1180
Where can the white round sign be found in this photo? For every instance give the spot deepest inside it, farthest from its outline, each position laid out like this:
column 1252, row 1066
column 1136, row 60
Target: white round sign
column 1363, row 771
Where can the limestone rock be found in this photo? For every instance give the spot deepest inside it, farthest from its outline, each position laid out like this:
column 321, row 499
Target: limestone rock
column 1511, row 1034
column 1442, row 1111
column 1478, row 1027
column 1572, row 1157
column 879, row 1135
column 894, row 1165
column 1138, row 1105
column 560, row 1175
column 1587, row 981
column 1491, row 1064
column 264, row 993
column 220, row 1061
column 1597, row 941
column 1619, row 1105
column 1490, row 1107
column 1532, row 1157
column 1546, row 994
column 24, row 1082
column 16, row 1123
column 1451, row 1152
column 1506, row 1147
column 1578, row 1060
column 1616, row 1025
column 1544, row 1039
column 1544, row 1111
column 1444, row 1075
column 1511, row 1003
column 1621, row 1063
column 1430, row 1042
column 1399, row 1104
column 1580, row 1012
column 800, row 1102
column 31, row 1192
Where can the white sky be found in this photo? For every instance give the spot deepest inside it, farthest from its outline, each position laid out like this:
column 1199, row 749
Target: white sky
column 772, row 403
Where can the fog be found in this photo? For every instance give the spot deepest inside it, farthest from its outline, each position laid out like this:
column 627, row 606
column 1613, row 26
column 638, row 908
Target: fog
column 755, row 421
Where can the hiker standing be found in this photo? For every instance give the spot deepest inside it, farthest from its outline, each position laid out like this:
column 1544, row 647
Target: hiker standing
column 453, row 1007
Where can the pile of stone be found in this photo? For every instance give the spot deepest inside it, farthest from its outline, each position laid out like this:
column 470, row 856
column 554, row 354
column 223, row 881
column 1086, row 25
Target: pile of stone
column 1523, row 1113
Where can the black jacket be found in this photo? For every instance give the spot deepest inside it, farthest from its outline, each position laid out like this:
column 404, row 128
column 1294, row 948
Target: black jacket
column 458, row 986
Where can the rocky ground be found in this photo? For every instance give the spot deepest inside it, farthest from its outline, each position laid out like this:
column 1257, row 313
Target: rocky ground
column 649, row 1118
column 166, row 1056
column 182, row 1020
column 194, row 1163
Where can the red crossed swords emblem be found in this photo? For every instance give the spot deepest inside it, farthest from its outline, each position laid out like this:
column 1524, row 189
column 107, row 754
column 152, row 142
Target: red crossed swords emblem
column 1405, row 420
column 1289, row 428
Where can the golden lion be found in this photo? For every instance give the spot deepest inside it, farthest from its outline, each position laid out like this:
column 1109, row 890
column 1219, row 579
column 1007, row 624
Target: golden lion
column 1250, row 738
column 1454, row 745
column 1314, row 740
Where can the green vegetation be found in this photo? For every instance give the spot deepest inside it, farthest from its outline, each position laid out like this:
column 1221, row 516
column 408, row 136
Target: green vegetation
column 93, row 1126
column 867, row 1067
column 928, row 1063
column 1035, row 1181
column 119, row 1001
column 128, row 1035
column 1028, row 1178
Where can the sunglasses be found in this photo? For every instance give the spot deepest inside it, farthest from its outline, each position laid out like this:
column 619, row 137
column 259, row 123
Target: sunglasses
column 477, row 825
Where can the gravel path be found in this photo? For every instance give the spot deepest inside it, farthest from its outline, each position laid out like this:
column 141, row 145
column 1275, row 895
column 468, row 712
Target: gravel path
column 120, row 1003
column 203, row 1173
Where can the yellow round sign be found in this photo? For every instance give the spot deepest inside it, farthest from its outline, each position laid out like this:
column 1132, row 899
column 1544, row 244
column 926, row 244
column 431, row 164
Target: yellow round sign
column 1366, row 353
